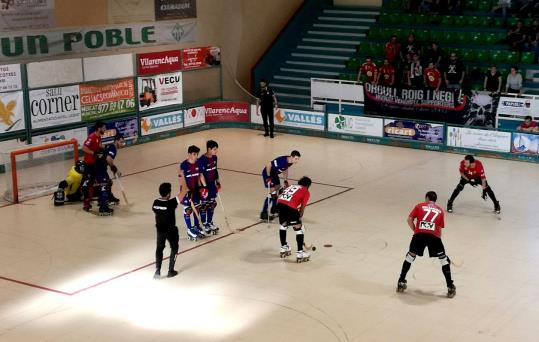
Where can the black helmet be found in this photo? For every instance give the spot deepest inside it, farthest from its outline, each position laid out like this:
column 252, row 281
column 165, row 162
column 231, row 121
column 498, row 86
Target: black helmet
column 79, row 166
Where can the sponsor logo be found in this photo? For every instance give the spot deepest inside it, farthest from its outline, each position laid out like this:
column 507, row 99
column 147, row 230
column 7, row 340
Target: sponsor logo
column 178, row 32
column 145, row 62
column 299, row 118
column 226, row 110
column 6, row 113
column 513, row 104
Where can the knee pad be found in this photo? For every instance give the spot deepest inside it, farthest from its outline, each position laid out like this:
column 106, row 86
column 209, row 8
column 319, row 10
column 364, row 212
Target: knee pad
column 299, row 230
column 63, row 184
column 273, row 195
column 444, row 260
column 409, row 257
column 213, row 204
column 187, row 211
column 283, row 228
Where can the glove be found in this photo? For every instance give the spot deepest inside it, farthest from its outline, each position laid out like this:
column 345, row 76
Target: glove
column 218, row 185
column 473, row 183
column 114, row 169
column 484, row 195
column 286, row 184
column 204, row 192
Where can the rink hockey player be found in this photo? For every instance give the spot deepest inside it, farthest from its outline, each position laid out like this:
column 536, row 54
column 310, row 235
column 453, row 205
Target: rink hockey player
column 270, row 176
column 426, row 220
column 192, row 179
column 93, row 149
column 208, row 166
column 472, row 172
column 292, row 203
column 70, row 189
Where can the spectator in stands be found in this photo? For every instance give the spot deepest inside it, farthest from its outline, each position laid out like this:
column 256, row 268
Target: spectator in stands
column 493, row 80
column 410, row 47
column 432, row 77
column 517, row 37
column 514, row 82
column 434, row 54
column 455, row 7
column 454, row 72
column 368, row 70
column 392, row 50
column 503, row 7
column 426, row 7
column 386, row 74
column 415, row 73
column 528, row 125
column 527, row 8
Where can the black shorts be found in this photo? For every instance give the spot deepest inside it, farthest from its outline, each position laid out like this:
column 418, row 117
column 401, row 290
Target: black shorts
column 288, row 216
column 422, row 240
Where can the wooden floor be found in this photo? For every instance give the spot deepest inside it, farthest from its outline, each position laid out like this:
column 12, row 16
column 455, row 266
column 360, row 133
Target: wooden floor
column 67, row 275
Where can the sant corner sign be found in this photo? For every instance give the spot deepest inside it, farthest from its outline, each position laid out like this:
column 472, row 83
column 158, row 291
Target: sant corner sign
column 37, row 45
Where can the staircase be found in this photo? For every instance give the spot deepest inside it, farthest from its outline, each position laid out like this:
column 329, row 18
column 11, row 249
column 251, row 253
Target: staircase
column 323, row 48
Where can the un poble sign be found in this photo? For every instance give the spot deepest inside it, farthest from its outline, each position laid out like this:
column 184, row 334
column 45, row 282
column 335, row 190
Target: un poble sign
column 159, row 62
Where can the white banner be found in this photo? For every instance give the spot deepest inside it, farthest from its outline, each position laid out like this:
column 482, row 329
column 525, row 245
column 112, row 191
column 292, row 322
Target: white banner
column 11, row 112
column 256, row 117
column 358, row 125
column 194, row 116
column 479, row 139
column 26, row 15
column 160, row 90
column 161, row 123
column 10, row 77
column 78, row 133
column 55, row 106
column 518, row 106
column 300, row 119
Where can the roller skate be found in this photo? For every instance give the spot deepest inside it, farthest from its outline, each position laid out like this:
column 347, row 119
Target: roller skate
column 264, row 216
column 214, row 228
column 302, row 256
column 451, row 291
column 401, row 286
column 192, row 234
column 497, row 208
column 274, row 210
column 449, row 207
column 106, row 211
column 87, row 208
column 157, row 274
column 172, row 273
column 200, row 232
column 285, row 251
column 113, row 200
column 207, row 230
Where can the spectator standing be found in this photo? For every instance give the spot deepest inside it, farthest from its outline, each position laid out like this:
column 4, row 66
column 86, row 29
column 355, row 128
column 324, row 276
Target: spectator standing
column 514, row 82
column 392, row 50
column 410, row 47
column 493, row 80
column 432, row 77
column 415, row 74
column 434, row 54
column 368, row 69
column 386, row 74
column 454, row 72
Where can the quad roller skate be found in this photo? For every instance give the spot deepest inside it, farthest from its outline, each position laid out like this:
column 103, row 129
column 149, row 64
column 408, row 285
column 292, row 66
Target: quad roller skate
column 214, row 228
column 401, row 286
column 207, row 230
column 192, row 234
column 285, row 251
column 451, row 291
column 113, row 200
column 106, row 211
column 497, row 208
column 449, row 207
column 302, row 256
column 264, row 216
column 200, row 232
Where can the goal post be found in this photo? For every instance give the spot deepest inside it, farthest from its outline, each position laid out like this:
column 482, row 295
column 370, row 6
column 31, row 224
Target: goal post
column 36, row 170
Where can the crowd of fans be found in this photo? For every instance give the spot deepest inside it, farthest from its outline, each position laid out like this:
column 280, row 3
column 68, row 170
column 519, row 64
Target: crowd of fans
column 406, row 65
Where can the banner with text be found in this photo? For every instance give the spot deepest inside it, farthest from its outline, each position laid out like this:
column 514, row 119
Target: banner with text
column 78, row 133
column 300, row 119
column 158, row 62
column 525, row 144
column 10, row 77
column 518, row 106
column 161, row 123
column 26, row 15
column 54, row 106
column 160, row 90
column 227, row 111
column 106, row 98
column 478, row 139
column 194, row 116
column 175, row 9
column 42, row 44
column 357, row 125
column 256, row 116
column 11, row 112
column 202, row 57
column 127, row 127
column 411, row 130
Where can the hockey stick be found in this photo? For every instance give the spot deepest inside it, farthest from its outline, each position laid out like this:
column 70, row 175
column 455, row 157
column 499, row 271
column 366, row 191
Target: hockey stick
column 269, row 201
column 122, row 189
column 195, row 211
column 224, row 213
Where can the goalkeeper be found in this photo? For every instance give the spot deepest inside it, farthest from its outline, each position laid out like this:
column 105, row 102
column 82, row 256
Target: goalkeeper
column 70, row 190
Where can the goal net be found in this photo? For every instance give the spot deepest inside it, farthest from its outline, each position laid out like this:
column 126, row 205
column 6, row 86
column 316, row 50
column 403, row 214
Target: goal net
column 36, row 170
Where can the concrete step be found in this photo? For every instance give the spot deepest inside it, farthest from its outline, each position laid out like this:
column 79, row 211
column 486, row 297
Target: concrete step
column 296, row 105
column 320, row 56
column 292, row 78
column 316, row 64
column 346, row 19
column 343, row 11
column 350, row 43
column 337, row 26
column 290, row 86
column 336, row 34
column 325, row 48
column 314, row 72
column 296, row 96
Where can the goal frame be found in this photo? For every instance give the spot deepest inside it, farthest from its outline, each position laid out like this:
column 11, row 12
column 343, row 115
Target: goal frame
column 13, row 158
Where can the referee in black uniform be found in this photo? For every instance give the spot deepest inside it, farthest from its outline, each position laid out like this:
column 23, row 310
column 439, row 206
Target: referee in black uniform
column 165, row 223
column 266, row 101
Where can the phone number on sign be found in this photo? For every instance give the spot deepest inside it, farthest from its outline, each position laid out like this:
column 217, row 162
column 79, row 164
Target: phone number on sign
column 106, row 108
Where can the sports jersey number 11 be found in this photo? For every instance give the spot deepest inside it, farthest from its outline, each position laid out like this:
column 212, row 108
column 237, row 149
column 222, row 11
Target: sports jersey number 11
column 289, row 192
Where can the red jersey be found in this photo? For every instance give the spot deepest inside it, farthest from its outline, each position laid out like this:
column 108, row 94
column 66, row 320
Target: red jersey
column 526, row 125
column 387, row 73
column 93, row 142
column 433, row 77
column 473, row 172
column 295, row 196
column 369, row 69
column 429, row 218
column 392, row 51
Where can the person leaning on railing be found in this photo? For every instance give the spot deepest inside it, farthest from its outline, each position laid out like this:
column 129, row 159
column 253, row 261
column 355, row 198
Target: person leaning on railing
column 528, row 125
column 514, row 82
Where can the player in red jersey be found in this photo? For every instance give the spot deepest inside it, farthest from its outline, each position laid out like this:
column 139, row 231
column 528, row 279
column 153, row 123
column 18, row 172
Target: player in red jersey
column 292, row 203
column 368, row 69
column 432, row 77
column 92, row 147
column 386, row 74
column 426, row 220
column 472, row 172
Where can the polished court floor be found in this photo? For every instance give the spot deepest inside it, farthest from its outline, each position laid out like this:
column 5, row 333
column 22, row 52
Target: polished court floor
column 66, row 275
